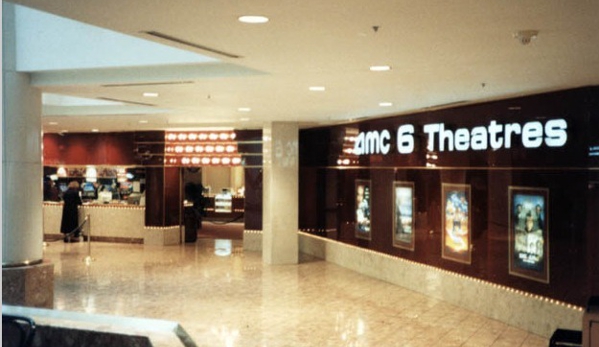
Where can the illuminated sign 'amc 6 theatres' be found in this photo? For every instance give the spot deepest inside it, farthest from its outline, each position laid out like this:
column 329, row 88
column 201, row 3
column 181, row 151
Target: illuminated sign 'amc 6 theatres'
column 495, row 136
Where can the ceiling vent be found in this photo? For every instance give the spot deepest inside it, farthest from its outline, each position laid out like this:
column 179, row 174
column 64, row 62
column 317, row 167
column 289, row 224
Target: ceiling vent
column 126, row 101
column 449, row 104
column 190, row 44
column 145, row 84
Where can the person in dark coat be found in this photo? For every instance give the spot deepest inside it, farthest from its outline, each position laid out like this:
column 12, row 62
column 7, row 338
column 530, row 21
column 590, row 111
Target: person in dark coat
column 70, row 211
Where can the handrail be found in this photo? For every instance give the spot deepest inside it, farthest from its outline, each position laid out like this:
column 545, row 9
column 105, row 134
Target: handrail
column 226, row 221
column 80, row 226
column 88, row 259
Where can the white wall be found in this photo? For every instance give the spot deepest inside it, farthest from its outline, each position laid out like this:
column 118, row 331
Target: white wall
column 222, row 177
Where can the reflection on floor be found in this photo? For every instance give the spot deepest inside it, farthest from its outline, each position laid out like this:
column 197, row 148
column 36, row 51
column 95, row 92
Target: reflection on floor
column 223, row 296
column 220, row 230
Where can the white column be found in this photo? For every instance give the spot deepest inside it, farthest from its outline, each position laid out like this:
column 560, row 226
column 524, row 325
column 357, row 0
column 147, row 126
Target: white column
column 22, row 232
column 280, row 190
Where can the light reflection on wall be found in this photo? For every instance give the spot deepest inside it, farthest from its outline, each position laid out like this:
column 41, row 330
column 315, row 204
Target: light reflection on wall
column 431, row 159
column 347, row 156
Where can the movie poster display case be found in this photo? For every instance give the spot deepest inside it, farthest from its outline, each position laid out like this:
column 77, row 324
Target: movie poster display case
column 403, row 215
column 505, row 191
column 363, row 207
column 456, row 222
column 529, row 233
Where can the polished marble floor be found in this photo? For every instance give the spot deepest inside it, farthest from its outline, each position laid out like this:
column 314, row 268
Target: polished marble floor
column 223, row 296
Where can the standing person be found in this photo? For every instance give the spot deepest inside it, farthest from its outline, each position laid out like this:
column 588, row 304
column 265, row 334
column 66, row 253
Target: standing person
column 70, row 211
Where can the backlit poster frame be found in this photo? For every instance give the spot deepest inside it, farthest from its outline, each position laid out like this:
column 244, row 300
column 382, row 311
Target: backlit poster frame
column 456, row 225
column 403, row 215
column 363, row 209
column 528, row 238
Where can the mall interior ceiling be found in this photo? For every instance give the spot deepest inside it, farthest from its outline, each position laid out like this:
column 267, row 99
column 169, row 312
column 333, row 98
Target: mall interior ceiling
column 313, row 62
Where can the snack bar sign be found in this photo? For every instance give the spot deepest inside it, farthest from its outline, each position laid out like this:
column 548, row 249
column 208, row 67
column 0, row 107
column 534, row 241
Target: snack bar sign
column 495, row 136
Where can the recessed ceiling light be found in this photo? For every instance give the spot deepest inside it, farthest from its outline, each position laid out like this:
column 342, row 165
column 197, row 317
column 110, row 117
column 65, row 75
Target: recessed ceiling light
column 317, row 88
column 380, row 68
column 244, row 109
column 245, row 119
column 143, row 121
column 385, row 104
column 52, row 123
column 95, row 130
column 150, row 95
column 253, row 19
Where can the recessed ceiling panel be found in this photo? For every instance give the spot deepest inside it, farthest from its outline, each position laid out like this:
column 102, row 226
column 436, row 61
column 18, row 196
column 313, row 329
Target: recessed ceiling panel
column 68, row 44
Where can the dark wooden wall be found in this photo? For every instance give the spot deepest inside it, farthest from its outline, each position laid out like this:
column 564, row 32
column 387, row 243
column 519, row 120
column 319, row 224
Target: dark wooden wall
column 569, row 173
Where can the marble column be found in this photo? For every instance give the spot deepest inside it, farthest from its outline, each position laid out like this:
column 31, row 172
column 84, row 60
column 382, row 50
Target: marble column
column 26, row 278
column 280, row 189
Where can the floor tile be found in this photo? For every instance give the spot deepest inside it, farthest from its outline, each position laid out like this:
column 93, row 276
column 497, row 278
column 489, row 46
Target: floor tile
column 236, row 300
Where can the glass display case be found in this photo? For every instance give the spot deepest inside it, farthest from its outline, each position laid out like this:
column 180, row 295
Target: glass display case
column 223, row 203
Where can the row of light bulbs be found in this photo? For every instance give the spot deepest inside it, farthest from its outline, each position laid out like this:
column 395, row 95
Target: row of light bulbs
column 348, row 157
column 347, row 161
column 204, row 161
column 200, row 136
column 208, row 148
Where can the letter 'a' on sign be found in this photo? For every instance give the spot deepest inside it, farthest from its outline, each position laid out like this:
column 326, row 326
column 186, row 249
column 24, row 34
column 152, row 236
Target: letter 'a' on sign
column 359, row 145
column 479, row 138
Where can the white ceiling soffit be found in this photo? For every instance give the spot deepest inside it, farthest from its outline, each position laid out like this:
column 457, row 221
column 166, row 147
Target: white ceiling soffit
column 63, row 105
column 52, row 111
column 64, row 100
column 68, row 44
column 140, row 75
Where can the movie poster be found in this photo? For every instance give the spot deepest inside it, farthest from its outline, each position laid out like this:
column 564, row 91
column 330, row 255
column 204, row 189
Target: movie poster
column 363, row 209
column 529, row 233
column 456, row 222
column 403, row 215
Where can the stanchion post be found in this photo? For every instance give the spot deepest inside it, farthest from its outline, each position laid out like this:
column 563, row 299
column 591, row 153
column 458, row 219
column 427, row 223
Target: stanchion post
column 89, row 258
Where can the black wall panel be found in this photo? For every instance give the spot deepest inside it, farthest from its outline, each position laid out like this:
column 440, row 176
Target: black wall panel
column 569, row 173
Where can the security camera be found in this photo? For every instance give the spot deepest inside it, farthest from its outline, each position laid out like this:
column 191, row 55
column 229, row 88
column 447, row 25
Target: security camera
column 526, row 36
